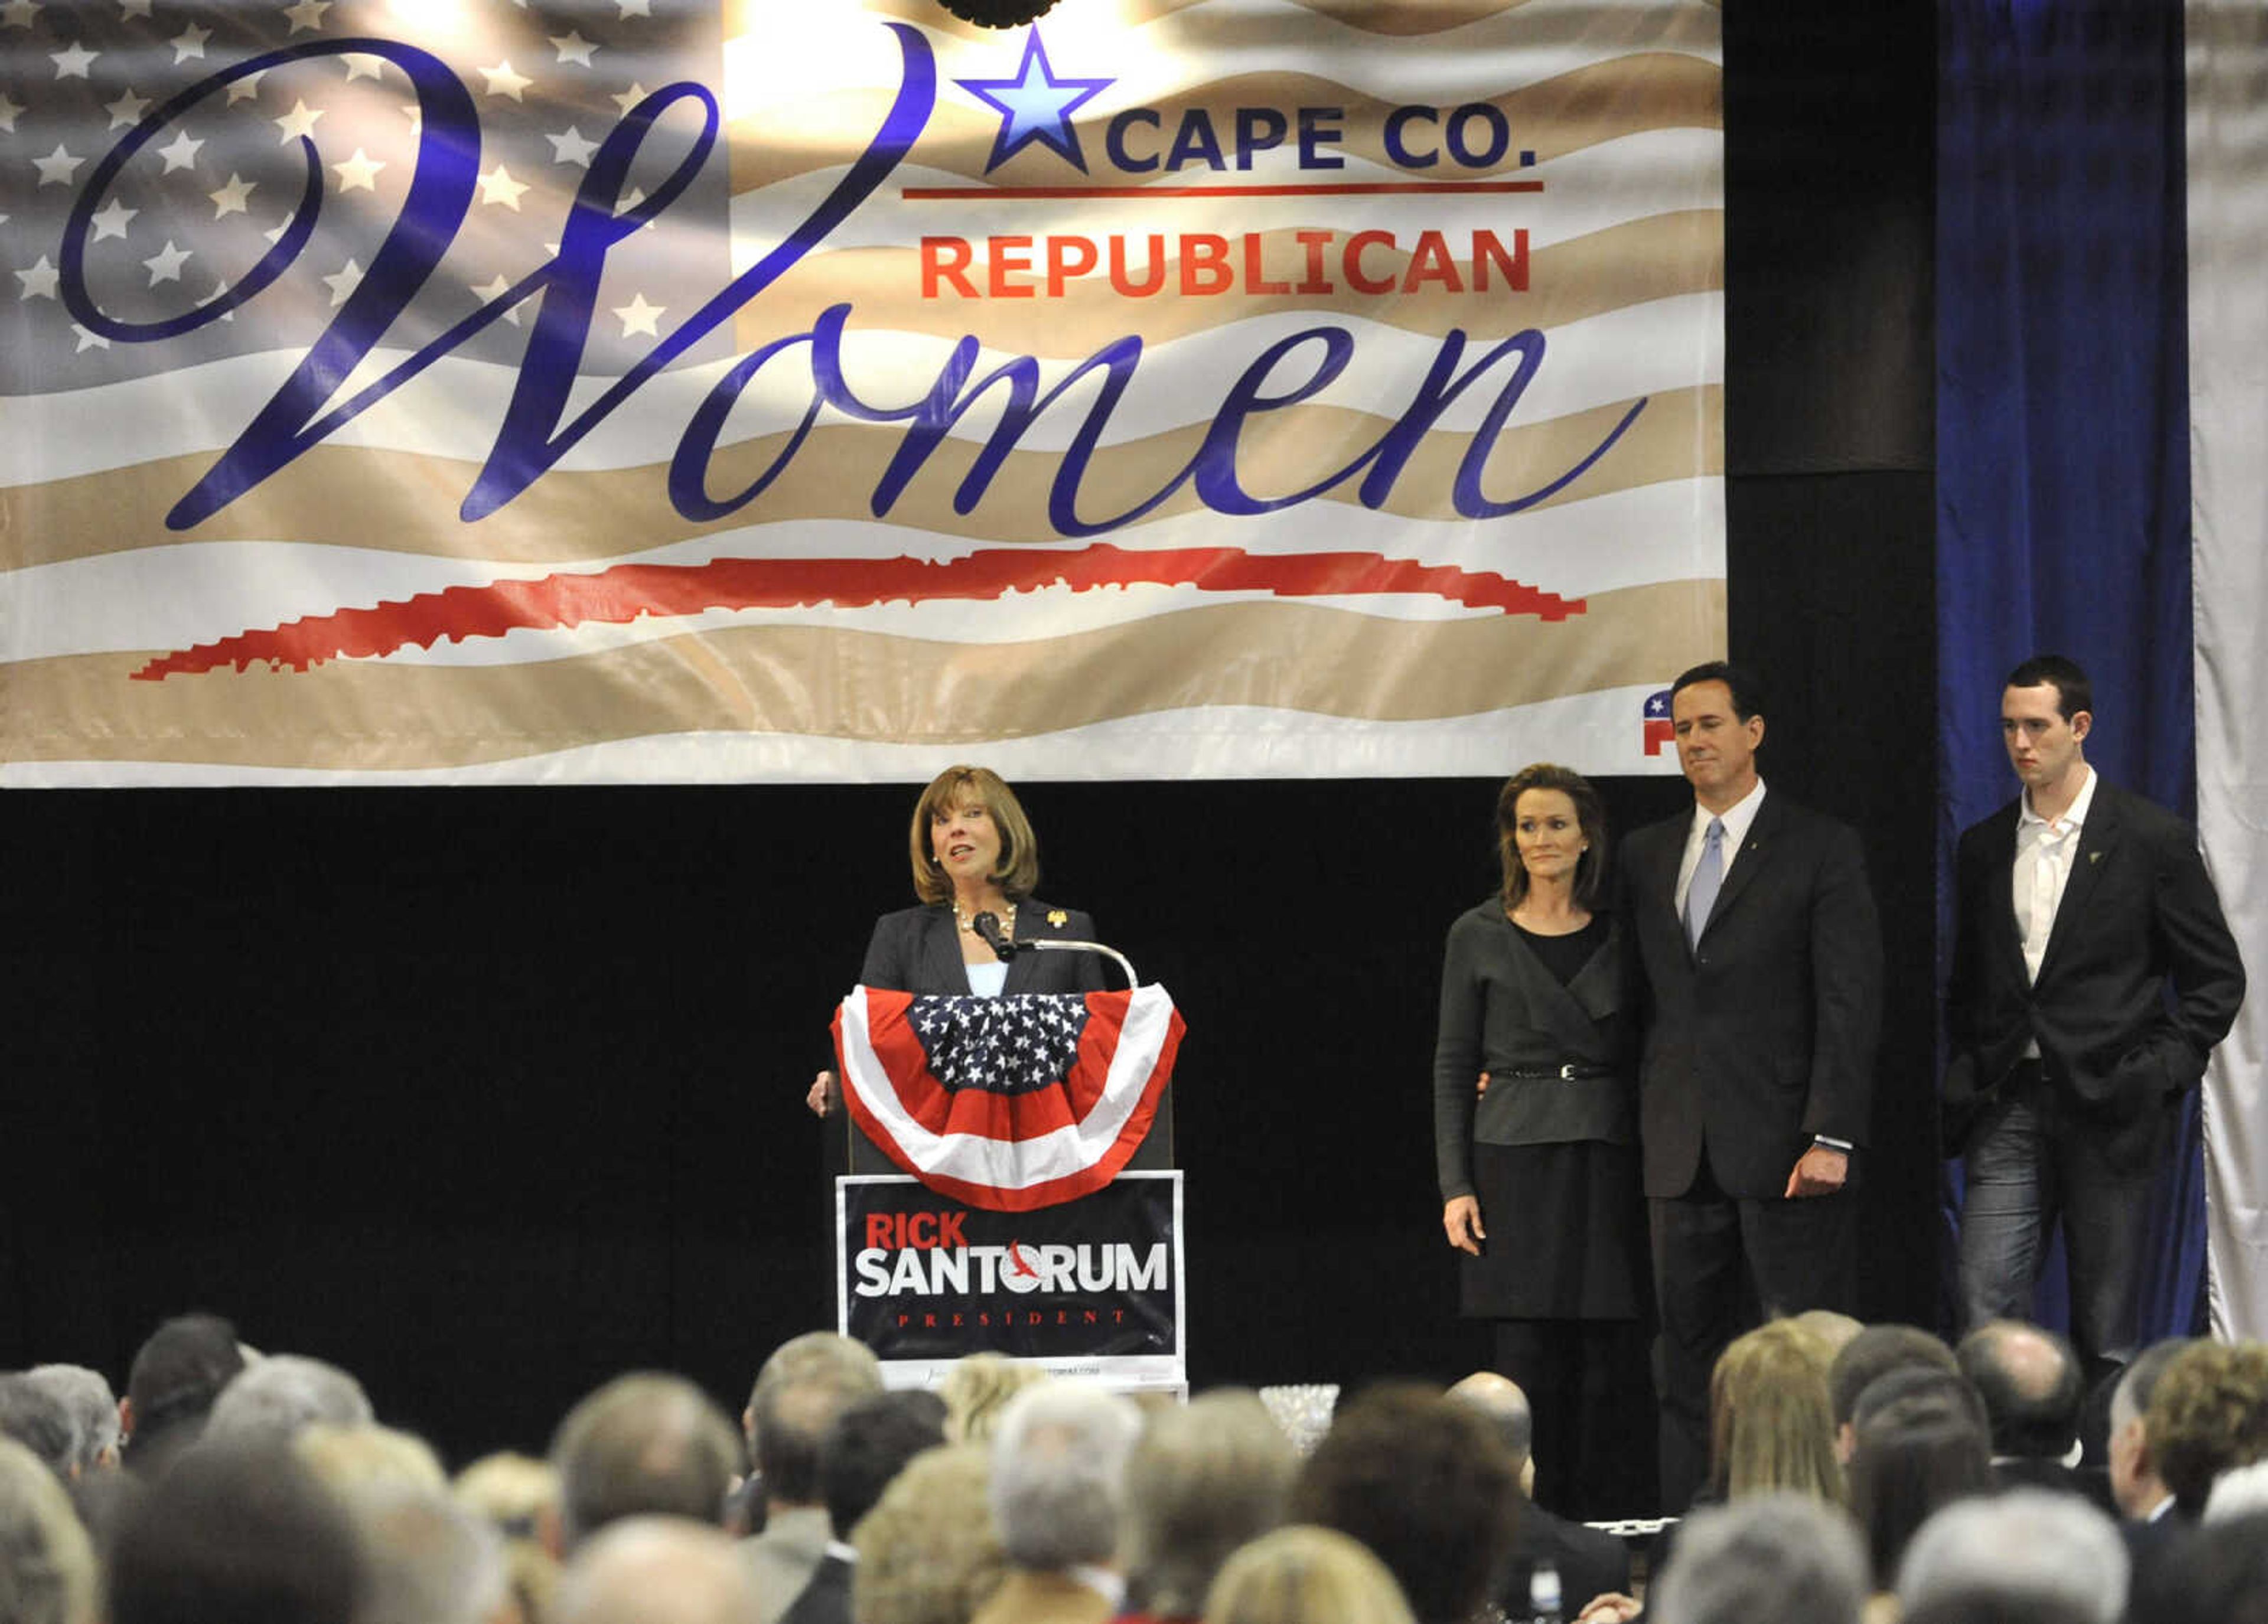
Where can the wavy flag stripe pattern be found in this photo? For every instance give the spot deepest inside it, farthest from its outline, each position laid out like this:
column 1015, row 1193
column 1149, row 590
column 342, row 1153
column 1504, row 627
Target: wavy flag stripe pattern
column 658, row 390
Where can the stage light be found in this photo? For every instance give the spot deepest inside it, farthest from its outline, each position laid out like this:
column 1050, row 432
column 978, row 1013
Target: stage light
column 998, row 13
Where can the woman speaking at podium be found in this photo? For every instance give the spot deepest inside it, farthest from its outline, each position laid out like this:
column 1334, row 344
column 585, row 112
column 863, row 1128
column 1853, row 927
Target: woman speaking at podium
column 973, row 854
column 1538, row 1170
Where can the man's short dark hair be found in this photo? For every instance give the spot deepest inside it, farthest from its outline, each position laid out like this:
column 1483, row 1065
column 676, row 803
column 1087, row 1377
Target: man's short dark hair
column 1747, row 693
column 1425, row 1482
column 870, row 1444
column 2034, row 1412
column 243, row 1534
column 2074, row 692
column 1875, row 1352
column 178, row 1374
column 39, row 1421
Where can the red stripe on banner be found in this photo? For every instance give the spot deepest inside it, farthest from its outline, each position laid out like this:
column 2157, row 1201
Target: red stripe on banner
column 1004, row 1119
column 620, row 595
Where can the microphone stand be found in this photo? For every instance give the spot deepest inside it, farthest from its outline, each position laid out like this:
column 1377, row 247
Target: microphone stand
column 987, row 926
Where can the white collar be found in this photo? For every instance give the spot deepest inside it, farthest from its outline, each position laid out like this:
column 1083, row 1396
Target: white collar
column 1101, row 1581
column 842, row 1550
column 2074, row 815
column 1737, row 818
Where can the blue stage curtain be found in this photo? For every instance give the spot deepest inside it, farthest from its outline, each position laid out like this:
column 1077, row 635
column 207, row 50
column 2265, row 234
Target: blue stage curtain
column 2063, row 479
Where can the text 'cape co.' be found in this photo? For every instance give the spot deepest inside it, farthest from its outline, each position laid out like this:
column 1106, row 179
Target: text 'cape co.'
column 629, row 389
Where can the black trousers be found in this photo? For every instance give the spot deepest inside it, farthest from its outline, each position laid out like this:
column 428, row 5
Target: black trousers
column 1593, row 1448
column 1722, row 1265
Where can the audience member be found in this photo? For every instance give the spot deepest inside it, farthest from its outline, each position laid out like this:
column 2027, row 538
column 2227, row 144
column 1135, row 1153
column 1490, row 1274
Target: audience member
column 367, row 1456
column 1921, row 1444
column 1204, row 1478
column 656, row 1569
column 425, row 1558
column 1305, row 1574
column 977, row 1388
column 271, row 1400
column 2021, row 1544
column 643, row 1442
column 1875, row 1352
column 928, row 1552
column 865, row 1447
column 2220, row 1574
column 1058, row 1475
column 806, row 1384
column 2140, row 1493
column 46, row 1564
column 1771, row 1557
column 2029, row 1380
column 34, row 1417
column 1770, row 1423
column 2209, row 1412
column 1425, row 1482
column 235, row 1534
column 93, row 1409
column 176, row 1376
column 518, row 1496
column 1590, row 1562
column 1835, row 1332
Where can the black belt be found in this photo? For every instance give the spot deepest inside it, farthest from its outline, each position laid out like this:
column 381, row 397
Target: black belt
column 1573, row 1071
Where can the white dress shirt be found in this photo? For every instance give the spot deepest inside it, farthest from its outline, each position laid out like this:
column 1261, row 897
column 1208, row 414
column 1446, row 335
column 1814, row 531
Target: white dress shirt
column 1739, row 817
column 2046, row 852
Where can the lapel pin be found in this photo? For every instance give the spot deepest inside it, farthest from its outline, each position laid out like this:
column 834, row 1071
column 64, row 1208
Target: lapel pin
column 1058, row 918
column 2094, row 856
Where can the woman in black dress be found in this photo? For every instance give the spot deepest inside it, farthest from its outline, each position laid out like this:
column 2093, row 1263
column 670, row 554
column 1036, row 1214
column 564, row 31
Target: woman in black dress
column 1538, row 1170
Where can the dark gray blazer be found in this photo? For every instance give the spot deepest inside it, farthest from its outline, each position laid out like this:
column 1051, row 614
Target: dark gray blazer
column 918, row 949
column 1502, row 1012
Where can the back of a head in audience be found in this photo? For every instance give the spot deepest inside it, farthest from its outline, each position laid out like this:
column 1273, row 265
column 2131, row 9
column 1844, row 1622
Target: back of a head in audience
column 2135, row 1485
column 2030, row 1384
column 93, row 1410
column 1873, row 1354
column 2209, row 1412
column 806, row 1384
column 34, row 1417
column 1499, row 1401
column 1305, row 1575
column 236, row 1535
column 2027, row 1542
column 1921, row 1444
column 868, row 1444
column 1835, row 1332
column 1769, row 1424
column 367, row 1456
column 426, row 1560
column 656, row 1570
column 276, row 1396
column 46, row 1563
column 518, row 1496
column 2219, row 1571
column 928, row 1552
column 1204, row 1478
column 176, row 1376
column 643, row 1442
column 1426, row 1483
column 1058, row 1471
column 977, row 1388
column 1769, row 1558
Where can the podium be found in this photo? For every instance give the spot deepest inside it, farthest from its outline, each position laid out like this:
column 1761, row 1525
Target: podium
column 1079, row 1271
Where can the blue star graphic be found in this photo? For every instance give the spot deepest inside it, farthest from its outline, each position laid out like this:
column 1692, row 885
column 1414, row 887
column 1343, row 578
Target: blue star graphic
column 1035, row 105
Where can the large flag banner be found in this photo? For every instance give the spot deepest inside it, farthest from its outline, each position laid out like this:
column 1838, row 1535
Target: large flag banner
column 453, row 391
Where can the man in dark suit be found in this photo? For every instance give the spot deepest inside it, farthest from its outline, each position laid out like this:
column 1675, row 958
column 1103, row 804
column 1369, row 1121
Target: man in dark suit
column 2077, row 905
column 1590, row 1562
column 1763, row 966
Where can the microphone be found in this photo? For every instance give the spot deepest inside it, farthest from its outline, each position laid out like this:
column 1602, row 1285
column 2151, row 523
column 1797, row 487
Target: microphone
column 987, row 926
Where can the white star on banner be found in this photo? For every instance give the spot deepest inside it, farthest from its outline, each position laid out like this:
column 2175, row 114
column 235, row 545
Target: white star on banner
column 8, row 112
column 637, row 316
column 363, row 65
column 127, row 110
column 488, row 295
column 415, row 113
column 181, row 153
column 18, row 13
column 55, row 168
column 165, row 266
column 231, row 198
column 570, row 146
column 498, row 186
column 246, row 88
column 299, row 121
column 188, row 43
column 306, row 14
column 130, row 9
column 88, row 340
column 503, row 82
column 572, row 46
column 218, row 288
column 113, row 220
column 359, row 173
column 74, row 62
column 630, row 98
column 39, row 281
column 624, row 10
column 343, row 283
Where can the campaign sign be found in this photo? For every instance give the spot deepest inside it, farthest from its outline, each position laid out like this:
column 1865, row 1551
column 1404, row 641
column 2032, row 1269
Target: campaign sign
column 1090, row 1288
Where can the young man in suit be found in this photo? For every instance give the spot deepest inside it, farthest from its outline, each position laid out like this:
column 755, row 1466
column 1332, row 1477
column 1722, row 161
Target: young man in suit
column 2077, row 905
column 1763, row 966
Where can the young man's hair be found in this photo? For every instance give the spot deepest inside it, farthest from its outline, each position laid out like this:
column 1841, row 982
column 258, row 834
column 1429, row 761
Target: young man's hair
column 2074, row 692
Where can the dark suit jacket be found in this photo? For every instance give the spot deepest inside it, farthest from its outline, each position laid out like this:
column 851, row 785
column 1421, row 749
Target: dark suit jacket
column 1766, row 1035
column 1590, row 1562
column 2138, row 911
column 826, row 1599
column 918, row 949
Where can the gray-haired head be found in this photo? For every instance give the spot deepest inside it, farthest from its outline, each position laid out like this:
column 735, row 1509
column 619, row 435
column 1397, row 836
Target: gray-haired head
column 93, row 1409
column 807, row 1383
column 38, row 1420
column 426, row 1560
column 643, row 1442
column 657, row 1570
column 2027, row 1542
column 1774, row 1558
column 1204, row 1478
column 1058, row 1472
column 272, row 1400
column 46, row 1564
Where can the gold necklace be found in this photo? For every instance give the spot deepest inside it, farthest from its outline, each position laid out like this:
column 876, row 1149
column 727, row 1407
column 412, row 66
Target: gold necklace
column 968, row 925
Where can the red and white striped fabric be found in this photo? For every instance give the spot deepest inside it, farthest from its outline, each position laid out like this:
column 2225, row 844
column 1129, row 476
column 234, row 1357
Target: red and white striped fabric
column 1011, row 1103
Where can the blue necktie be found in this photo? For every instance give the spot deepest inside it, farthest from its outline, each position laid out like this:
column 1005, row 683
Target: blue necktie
column 1708, row 878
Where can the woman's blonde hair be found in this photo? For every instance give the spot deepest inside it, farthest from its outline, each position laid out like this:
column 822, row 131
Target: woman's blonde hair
column 977, row 1388
column 1018, row 870
column 1305, row 1574
column 1771, row 1423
